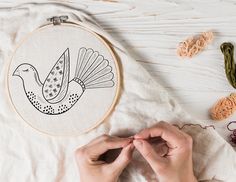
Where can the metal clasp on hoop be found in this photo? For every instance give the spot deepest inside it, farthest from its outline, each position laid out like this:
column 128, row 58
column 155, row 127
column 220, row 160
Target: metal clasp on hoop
column 57, row 20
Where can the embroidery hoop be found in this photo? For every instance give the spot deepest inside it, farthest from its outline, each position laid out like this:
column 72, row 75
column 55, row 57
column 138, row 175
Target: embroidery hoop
column 56, row 21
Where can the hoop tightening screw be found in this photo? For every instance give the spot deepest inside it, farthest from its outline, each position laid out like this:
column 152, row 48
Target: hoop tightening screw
column 57, row 20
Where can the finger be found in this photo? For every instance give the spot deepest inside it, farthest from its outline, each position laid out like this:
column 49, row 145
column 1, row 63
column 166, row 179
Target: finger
column 106, row 139
column 161, row 149
column 105, row 143
column 149, row 154
column 124, row 158
column 166, row 131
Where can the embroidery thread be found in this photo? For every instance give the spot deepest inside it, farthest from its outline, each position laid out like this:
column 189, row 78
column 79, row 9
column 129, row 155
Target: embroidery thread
column 224, row 107
column 228, row 50
column 195, row 44
column 190, row 124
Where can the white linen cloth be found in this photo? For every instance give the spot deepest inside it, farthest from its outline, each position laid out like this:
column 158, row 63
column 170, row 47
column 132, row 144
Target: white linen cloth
column 27, row 155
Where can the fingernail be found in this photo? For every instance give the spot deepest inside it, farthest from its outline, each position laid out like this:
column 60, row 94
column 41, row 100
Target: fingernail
column 128, row 146
column 131, row 146
column 138, row 142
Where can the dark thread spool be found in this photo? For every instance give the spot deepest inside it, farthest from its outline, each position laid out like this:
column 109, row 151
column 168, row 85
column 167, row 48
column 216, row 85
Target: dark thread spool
column 233, row 134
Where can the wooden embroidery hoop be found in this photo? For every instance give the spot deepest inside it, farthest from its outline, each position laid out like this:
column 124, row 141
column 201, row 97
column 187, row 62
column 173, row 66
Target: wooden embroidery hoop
column 62, row 21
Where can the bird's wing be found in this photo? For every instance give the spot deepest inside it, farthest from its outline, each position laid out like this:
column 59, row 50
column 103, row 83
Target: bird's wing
column 56, row 84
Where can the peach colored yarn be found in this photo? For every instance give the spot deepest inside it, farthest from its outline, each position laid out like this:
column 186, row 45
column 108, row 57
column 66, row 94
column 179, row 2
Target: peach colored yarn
column 224, row 108
column 193, row 45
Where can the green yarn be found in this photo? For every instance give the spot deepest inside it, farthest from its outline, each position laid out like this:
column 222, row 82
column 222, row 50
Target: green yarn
column 228, row 50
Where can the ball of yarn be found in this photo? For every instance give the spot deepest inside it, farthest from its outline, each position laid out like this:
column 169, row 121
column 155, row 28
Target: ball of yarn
column 224, row 107
column 232, row 136
column 193, row 45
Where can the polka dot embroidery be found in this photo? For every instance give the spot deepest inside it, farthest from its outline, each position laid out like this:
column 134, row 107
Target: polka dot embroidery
column 55, row 108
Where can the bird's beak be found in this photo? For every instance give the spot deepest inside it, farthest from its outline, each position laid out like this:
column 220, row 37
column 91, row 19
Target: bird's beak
column 16, row 73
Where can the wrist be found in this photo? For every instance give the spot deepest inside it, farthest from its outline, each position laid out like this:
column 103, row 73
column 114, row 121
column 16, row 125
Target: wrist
column 190, row 178
column 183, row 178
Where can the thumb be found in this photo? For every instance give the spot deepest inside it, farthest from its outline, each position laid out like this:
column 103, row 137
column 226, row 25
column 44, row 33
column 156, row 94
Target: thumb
column 124, row 158
column 147, row 151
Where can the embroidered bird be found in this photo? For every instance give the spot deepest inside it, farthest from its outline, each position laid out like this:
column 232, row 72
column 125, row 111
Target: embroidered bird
column 57, row 94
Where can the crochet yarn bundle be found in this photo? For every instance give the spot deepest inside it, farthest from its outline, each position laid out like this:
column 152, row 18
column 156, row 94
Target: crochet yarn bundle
column 224, row 107
column 193, row 45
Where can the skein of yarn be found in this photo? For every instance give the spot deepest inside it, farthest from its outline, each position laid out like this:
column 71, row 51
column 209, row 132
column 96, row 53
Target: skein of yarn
column 228, row 50
column 224, row 107
column 193, row 45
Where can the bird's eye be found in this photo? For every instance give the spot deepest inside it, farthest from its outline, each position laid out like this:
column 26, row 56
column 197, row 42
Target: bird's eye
column 26, row 70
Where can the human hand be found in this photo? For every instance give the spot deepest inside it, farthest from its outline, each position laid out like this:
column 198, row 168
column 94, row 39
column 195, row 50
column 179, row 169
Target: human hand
column 176, row 165
column 91, row 168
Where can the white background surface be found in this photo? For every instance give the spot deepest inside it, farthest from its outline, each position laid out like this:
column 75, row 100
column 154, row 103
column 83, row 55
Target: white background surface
column 151, row 30
column 149, row 38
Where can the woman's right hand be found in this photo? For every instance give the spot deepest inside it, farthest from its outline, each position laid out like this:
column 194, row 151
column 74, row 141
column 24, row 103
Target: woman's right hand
column 176, row 165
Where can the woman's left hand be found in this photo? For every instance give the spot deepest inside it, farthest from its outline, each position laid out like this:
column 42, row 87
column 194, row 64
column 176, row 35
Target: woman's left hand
column 91, row 168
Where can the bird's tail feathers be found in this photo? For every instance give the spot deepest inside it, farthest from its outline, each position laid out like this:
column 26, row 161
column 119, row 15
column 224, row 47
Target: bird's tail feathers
column 92, row 70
